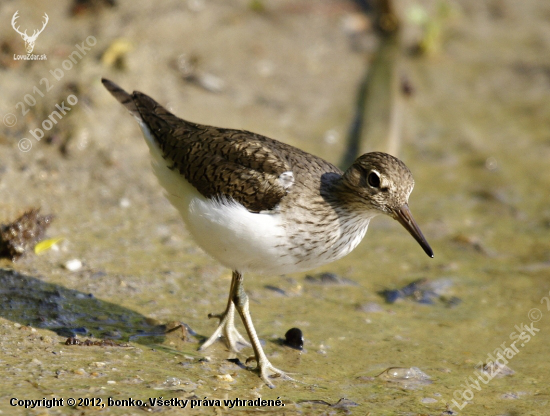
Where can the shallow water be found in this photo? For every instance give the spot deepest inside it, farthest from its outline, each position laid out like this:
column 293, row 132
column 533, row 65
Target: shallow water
column 475, row 136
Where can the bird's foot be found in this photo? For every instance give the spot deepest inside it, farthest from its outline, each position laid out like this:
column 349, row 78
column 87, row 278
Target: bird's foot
column 268, row 372
column 226, row 328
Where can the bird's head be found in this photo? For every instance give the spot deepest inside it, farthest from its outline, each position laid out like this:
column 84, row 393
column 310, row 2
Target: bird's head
column 382, row 183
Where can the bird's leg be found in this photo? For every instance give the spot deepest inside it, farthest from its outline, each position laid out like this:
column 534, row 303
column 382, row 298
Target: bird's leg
column 240, row 299
column 226, row 326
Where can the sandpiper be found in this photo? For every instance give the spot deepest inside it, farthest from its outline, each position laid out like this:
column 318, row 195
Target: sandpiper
column 259, row 205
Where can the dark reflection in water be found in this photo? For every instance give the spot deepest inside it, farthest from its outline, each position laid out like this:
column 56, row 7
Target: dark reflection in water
column 69, row 313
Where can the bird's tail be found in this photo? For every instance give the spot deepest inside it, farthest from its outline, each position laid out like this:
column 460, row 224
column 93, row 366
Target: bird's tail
column 122, row 96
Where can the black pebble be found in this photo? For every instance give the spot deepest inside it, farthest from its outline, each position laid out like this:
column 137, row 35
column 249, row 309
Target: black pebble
column 294, row 338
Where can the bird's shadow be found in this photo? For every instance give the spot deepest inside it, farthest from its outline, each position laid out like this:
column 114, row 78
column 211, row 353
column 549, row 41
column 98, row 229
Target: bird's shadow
column 67, row 312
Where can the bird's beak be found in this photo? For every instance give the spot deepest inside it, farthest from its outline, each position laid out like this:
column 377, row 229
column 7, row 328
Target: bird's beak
column 405, row 218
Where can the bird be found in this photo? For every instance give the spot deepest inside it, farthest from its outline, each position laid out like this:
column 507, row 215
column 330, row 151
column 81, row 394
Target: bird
column 259, row 205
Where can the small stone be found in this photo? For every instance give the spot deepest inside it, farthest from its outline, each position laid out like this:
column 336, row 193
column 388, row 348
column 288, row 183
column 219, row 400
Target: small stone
column 224, row 377
column 344, row 404
column 73, row 265
column 294, row 338
column 124, row 203
column 111, row 382
column 98, row 364
column 172, row 382
column 408, row 377
column 495, row 369
column 210, row 82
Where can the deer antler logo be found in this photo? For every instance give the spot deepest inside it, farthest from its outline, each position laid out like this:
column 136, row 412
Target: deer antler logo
column 29, row 40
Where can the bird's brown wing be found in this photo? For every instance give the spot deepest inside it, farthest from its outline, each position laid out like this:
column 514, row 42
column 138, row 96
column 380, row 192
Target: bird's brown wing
column 238, row 164
column 254, row 170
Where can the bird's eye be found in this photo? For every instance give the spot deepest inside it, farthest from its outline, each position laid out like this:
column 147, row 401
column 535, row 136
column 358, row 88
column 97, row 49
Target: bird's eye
column 373, row 179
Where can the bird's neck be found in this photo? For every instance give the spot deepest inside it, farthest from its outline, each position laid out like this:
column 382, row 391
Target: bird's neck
column 340, row 194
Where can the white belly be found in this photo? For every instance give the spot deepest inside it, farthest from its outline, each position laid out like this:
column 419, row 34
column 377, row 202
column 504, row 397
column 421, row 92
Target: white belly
column 236, row 237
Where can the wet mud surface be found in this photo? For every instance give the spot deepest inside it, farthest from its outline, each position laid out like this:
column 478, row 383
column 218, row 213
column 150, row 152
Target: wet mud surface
column 474, row 134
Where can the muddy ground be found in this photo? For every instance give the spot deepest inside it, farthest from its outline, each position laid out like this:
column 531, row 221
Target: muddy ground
column 474, row 132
